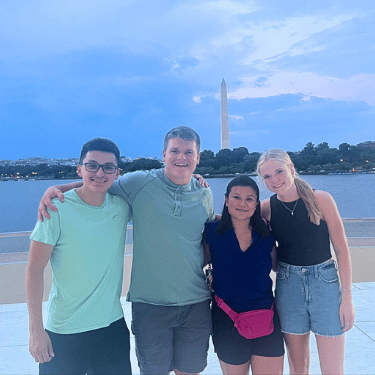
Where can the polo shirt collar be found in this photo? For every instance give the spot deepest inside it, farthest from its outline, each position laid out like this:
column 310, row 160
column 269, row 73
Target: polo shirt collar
column 167, row 181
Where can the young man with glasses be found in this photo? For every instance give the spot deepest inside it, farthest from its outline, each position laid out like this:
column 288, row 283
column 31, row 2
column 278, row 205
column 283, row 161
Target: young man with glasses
column 170, row 299
column 84, row 241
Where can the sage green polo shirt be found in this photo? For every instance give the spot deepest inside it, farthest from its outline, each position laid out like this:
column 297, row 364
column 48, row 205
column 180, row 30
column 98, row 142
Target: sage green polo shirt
column 87, row 262
column 168, row 222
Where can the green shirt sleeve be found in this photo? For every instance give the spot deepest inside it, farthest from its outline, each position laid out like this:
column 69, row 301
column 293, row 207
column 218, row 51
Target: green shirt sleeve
column 47, row 231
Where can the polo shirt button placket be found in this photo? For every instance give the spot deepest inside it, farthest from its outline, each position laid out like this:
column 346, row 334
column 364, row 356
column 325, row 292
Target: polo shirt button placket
column 178, row 203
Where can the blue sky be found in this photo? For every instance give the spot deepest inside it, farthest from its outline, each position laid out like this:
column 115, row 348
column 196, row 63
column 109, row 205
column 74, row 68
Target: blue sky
column 127, row 70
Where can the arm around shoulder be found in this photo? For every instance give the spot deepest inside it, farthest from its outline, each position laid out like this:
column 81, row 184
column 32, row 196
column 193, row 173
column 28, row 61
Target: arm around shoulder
column 129, row 184
column 54, row 192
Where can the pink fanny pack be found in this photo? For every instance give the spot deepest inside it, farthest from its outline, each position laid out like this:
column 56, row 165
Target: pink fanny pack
column 250, row 324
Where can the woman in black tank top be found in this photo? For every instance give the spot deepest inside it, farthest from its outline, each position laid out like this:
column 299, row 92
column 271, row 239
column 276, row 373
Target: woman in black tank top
column 304, row 222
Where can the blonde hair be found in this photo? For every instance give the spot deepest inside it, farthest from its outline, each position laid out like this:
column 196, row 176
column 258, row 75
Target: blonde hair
column 304, row 190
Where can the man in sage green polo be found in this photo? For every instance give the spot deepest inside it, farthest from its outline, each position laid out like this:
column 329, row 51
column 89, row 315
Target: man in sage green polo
column 169, row 211
column 168, row 291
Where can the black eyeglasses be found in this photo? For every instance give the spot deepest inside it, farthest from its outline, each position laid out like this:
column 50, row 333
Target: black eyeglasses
column 94, row 167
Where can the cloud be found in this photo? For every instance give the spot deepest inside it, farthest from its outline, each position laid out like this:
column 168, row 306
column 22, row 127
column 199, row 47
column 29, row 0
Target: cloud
column 226, row 8
column 236, row 117
column 197, row 99
column 290, row 36
column 359, row 87
column 179, row 65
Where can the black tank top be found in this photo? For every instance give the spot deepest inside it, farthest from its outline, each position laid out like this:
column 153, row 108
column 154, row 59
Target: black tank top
column 300, row 242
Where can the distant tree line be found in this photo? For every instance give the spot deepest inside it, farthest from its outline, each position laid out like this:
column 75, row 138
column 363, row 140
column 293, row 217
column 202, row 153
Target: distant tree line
column 41, row 170
column 311, row 159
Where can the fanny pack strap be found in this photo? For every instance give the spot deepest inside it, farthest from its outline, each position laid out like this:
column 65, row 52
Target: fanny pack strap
column 232, row 314
column 220, row 302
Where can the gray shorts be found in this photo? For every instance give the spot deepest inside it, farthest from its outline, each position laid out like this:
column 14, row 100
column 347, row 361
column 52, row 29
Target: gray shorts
column 171, row 337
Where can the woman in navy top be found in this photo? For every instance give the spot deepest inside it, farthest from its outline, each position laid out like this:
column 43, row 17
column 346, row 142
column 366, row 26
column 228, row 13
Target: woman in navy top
column 241, row 248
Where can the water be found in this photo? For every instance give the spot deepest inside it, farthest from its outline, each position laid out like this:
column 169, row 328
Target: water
column 354, row 195
column 19, row 203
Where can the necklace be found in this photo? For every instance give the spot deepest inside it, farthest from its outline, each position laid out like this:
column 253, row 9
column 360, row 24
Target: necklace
column 291, row 211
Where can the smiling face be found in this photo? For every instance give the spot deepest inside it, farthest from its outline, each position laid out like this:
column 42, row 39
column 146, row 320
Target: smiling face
column 278, row 177
column 241, row 202
column 181, row 158
column 97, row 182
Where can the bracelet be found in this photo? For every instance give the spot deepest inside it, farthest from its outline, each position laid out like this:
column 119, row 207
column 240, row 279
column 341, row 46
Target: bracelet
column 346, row 290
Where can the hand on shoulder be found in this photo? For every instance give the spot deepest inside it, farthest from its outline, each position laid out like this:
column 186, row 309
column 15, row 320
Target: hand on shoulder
column 46, row 202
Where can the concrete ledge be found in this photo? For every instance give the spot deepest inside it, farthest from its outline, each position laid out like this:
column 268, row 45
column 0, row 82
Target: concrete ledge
column 361, row 241
column 14, row 253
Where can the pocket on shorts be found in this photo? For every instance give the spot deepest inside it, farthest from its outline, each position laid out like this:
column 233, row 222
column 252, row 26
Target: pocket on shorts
column 280, row 274
column 328, row 274
column 134, row 331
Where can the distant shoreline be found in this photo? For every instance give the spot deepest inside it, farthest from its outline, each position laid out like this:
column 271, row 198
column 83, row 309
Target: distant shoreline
column 5, row 179
column 130, row 226
column 299, row 173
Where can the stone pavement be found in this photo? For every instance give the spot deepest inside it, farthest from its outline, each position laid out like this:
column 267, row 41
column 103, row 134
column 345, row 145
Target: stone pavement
column 15, row 358
column 359, row 356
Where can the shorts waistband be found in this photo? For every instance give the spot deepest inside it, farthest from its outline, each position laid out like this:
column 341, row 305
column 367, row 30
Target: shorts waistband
column 305, row 270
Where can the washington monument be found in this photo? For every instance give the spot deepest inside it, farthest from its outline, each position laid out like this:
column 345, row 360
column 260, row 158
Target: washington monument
column 224, row 117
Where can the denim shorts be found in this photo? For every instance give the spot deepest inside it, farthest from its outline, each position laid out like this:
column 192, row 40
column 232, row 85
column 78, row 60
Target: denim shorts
column 308, row 298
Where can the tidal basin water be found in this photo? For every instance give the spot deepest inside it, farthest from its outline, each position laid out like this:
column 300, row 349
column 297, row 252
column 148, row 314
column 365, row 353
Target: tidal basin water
column 353, row 193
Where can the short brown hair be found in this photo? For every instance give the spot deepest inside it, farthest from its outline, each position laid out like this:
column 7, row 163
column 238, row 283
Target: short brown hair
column 183, row 132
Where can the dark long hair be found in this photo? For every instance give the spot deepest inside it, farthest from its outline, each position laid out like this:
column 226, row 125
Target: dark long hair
column 256, row 220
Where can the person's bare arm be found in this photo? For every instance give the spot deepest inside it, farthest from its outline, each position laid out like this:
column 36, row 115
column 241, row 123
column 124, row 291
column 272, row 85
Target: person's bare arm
column 337, row 235
column 54, row 192
column 40, row 345
column 265, row 209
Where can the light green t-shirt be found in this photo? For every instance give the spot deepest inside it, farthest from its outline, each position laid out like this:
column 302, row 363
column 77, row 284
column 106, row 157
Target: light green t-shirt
column 87, row 262
column 168, row 221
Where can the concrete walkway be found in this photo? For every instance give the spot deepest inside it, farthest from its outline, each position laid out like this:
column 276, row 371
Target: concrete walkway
column 359, row 357
column 15, row 358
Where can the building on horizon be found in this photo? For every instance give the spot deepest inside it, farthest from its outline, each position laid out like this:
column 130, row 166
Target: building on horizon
column 225, row 142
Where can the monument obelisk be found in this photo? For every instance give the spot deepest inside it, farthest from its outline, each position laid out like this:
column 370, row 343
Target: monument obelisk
column 224, row 117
